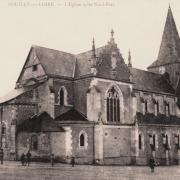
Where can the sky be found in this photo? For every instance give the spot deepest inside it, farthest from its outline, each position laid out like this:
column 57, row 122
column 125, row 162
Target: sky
column 70, row 25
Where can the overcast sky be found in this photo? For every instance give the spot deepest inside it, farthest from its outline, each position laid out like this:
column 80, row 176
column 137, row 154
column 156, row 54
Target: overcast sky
column 138, row 25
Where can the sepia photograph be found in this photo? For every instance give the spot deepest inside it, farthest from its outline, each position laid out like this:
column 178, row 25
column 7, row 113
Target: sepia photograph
column 90, row 90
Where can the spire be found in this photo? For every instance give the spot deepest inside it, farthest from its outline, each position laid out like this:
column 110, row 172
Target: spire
column 129, row 59
column 93, row 49
column 170, row 44
column 93, row 59
column 112, row 36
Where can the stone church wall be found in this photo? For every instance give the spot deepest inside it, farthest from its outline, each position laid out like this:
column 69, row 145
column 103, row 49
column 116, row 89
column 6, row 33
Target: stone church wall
column 83, row 154
column 23, row 144
column 80, row 89
column 117, row 145
column 126, row 116
column 160, row 150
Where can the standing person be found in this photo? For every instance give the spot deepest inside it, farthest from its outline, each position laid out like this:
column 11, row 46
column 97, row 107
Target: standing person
column 1, row 155
column 28, row 158
column 52, row 160
column 23, row 159
column 73, row 161
column 152, row 164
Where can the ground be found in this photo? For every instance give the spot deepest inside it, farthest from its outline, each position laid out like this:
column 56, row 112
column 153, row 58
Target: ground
column 43, row 171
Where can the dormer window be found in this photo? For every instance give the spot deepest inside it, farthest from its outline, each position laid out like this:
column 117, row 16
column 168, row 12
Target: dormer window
column 34, row 67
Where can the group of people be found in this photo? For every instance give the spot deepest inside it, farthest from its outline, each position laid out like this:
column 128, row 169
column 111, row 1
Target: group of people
column 26, row 159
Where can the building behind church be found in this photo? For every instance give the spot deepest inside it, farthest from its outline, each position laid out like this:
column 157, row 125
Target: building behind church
column 95, row 107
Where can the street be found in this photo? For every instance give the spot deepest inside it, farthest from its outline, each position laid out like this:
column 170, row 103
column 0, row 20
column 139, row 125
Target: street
column 43, row 171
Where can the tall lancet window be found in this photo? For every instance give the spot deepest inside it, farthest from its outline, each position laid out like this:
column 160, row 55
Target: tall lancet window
column 62, row 96
column 113, row 105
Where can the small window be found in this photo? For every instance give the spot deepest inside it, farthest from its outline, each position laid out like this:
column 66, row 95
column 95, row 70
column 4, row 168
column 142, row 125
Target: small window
column 167, row 143
column 140, row 141
column 34, row 142
column 62, row 97
column 146, row 106
column 154, row 141
column 34, row 67
column 82, row 139
column 156, row 106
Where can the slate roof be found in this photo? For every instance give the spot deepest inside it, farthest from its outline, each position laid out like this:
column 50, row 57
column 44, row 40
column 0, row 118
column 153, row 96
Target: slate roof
column 16, row 92
column 56, row 62
column 71, row 115
column 40, row 123
column 83, row 64
column 160, row 119
column 104, row 66
column 148, row 81
column 170, row 45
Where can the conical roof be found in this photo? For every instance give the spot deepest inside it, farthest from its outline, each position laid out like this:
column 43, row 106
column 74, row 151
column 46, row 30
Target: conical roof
column 170, row 45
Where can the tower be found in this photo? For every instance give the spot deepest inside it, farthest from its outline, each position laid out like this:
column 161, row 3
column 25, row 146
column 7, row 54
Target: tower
column 168, row 61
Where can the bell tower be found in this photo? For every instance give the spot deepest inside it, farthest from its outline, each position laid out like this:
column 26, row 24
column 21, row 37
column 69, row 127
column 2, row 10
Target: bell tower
column 168, row 61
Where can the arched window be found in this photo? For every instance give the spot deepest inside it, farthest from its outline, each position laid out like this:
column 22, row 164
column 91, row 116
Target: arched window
column 140, row 141
column 34, row 142
column 83, row 140
column 113, row 105
column 82, row 143
column 61, row 96
column 156, row 108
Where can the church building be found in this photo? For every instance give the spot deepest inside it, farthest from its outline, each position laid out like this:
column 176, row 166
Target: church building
column 95, row 107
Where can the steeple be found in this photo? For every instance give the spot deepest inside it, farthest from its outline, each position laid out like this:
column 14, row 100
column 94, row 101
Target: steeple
column 170, row 44
column 93, row 49
column 93, row 58
column 112, row 41
column 129, row 59
column 168, row 61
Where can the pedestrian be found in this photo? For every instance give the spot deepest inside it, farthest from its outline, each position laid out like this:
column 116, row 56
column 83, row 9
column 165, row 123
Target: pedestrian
column 28, row 158
column 52, row 159
column 73, row 161
column 23, row 158
column 1, row 155
column 151, row 164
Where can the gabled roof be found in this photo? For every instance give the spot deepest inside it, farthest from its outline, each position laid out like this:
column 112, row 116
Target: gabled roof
column 40, row 123
column 103, row 64
column 72, row 115
column 170, row 45
column 160, row 119
column 56, row 62
column 148, row 81
column 83, row 65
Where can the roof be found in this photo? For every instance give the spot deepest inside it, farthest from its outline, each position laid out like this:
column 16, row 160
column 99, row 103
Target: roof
column 40, row 123
column 148, row 81
column 15, row 93
column 160, row 119
column 71, row 115
column 104, row 63
column 170, row 44
column 83, row 65
column 56, row 62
